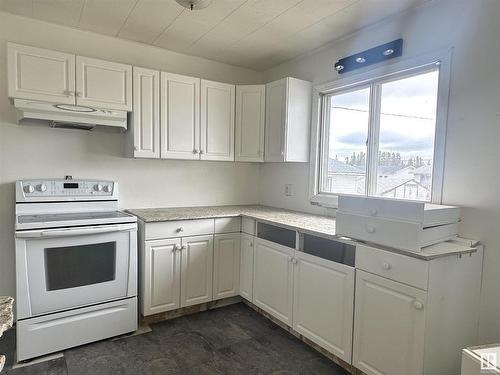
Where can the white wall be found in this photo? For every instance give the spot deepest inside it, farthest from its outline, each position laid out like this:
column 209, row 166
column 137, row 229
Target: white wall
column 471, row 176
column 38, row 152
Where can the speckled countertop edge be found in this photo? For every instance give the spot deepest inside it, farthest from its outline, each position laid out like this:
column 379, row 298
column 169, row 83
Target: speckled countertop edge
column 319, row 225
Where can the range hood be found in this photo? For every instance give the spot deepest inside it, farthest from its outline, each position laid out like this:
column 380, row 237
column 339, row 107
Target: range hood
column 69, row 116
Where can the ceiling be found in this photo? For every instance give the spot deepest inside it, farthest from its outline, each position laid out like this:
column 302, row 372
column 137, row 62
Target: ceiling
column 256, row 34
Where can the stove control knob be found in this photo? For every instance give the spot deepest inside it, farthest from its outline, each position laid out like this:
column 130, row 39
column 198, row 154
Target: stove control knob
column 41, row 188
column 28, row 189
column 98, row 187
column 107, row 188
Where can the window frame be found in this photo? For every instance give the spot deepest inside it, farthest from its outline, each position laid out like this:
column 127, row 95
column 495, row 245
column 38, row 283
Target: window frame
column 373, row 78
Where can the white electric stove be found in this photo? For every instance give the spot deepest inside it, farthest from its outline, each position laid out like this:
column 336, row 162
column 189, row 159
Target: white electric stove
column 76, row 265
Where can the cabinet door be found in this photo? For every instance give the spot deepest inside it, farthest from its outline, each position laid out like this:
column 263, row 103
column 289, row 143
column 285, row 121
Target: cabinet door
column 217, row 121
column 275, row 120
column 323, row 303
column 389, row 322
column 273, row 279
column 250, row 119
column 40, row 74
column 246, row 266
column 103, row 84
column 196, row 272
column 180, row 116
column 161, row 276
column 146, row 113
column 226, row 265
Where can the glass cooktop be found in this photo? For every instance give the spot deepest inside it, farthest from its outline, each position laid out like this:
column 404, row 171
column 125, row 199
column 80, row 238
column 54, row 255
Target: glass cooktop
column 73, row 216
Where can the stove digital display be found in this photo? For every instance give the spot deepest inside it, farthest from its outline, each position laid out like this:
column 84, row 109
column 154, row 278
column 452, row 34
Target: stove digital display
column 70, row 185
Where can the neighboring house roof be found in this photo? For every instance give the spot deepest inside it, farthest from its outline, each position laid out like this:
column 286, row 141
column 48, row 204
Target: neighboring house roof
column 336, row 166
column 384, row 170
column 387, row 185
column 424, row 169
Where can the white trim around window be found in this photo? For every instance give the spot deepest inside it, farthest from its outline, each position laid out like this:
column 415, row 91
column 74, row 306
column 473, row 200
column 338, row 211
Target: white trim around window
column 383, row 73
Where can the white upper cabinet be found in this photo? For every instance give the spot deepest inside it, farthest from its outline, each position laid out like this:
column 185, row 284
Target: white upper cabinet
column 146, row 114
column 217, row 121
column 103, row 84
column 45, row 75
column 180, row 120
column 250, row 120
column 389, row 326
column 40, row 74
column 288, row 120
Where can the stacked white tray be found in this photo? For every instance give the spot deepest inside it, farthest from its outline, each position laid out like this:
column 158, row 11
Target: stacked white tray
column 399, row 224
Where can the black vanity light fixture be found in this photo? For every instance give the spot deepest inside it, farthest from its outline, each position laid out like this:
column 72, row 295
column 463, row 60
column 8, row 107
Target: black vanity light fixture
column 370, row 56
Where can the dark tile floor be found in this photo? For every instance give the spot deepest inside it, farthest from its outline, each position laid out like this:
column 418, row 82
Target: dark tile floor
column 228, row 340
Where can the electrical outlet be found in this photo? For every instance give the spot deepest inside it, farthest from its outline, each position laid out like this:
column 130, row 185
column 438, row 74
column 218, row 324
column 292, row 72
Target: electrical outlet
column 288, row 190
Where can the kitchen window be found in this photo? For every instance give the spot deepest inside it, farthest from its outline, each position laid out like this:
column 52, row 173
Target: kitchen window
column 382, row 136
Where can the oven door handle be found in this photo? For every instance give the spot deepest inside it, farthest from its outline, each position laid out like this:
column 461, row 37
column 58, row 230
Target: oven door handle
column 75, row 231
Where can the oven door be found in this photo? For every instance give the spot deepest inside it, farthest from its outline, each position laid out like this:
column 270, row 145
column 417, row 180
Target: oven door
column 60, row 269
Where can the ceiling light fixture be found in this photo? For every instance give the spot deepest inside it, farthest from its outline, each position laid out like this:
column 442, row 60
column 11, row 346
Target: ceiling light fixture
column 194, row 4
column 360, row 60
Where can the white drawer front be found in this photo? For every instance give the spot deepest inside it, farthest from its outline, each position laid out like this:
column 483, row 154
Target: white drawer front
column 248, row 225
column 228, row 225
column 397, row 267
column 398, row 234
column 179, row 228
column 382, row 207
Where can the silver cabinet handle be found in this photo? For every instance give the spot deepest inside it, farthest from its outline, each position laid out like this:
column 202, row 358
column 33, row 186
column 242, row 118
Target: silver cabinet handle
column 180, row 229
column 136, row 148
column 386, row 266
column 79, row 94
column 201, row 151
column 370, row 229
column 196, row 151
column 294, row 261
column 418, row 305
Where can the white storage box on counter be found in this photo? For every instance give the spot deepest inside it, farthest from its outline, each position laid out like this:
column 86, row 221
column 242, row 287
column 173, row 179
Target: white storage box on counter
column 405, row 225
column 481, row 360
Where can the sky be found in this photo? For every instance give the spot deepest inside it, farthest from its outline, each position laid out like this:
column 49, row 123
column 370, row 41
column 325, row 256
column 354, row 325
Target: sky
column 407, row 123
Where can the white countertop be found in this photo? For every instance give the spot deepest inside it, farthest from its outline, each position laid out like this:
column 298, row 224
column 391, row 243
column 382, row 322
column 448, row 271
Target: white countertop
column 307, row 223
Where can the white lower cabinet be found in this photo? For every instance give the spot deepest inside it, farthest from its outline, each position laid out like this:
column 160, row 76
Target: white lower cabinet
column 323, row 298
column 389, row 323
column 246, row 266
column 226, row 265
column 196, row 270
column 161, row 268
column 273, row 279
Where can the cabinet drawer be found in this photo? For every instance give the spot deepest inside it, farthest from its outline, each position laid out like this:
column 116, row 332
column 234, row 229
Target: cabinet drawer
column 179, row 228
column 425, row 214
column 228, row 225
column 248, row 225
column 397, row 267
column 398, row 234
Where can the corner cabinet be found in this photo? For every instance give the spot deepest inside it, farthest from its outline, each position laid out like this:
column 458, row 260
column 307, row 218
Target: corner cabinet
column 217, row 121
column 273, row 279
column 226, row 265
column 246, row 266
column 288, row 120
column 57, row 77
column 250, row 122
